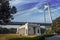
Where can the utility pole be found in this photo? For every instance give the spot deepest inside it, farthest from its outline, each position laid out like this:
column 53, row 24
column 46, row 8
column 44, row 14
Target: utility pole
column 49, row 11
column 44, row 17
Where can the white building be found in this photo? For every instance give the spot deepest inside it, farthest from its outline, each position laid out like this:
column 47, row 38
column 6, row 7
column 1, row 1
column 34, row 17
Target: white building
column 29, row 29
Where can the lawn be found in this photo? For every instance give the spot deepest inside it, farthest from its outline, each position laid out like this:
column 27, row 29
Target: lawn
column 18, row 37
column 8, row 36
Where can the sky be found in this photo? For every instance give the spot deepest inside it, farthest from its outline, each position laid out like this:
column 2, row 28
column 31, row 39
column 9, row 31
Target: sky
column 31, row 10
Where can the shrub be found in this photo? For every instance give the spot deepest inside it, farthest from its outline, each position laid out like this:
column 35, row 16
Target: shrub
column 48, row 35
column 48, row 32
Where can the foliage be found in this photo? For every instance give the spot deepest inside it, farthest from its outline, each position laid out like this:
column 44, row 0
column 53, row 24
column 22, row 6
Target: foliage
column 7, row 31
column 48, row 35
column 42, row 31
column 56, row 25
column 6, row 11
column 48, row 32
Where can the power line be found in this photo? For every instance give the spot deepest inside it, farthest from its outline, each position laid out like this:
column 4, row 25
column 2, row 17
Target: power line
column 19, row 14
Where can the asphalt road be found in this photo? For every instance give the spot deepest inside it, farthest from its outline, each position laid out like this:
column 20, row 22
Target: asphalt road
column 57, row 37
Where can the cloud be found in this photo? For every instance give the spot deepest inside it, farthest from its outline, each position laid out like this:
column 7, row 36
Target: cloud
column 53, row 10
column 29, row 12
column 15, row 2
column 20, row 2
column 36, row 15
column 29, row 15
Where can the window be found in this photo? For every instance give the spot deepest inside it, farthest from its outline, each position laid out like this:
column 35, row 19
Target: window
column 38, row 30
column 29, row 28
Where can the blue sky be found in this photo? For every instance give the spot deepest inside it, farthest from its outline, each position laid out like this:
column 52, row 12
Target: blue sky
column 28, row 10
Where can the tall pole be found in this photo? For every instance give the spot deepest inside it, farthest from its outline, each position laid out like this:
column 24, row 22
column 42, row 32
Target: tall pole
column 49, row 11
column 44, row 17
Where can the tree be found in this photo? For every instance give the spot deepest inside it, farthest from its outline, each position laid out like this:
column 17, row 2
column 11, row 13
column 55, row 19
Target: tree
column 6, row 11
column 56, row 25
column 7, row 30
column 12, row 30
column 0, row 30
column 48, row 32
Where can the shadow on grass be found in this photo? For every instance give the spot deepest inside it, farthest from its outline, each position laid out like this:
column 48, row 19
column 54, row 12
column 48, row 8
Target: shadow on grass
column 29, row 38
column 33, row 38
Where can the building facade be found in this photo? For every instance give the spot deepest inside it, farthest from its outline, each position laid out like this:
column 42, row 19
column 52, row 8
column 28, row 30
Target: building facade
column 29, row 29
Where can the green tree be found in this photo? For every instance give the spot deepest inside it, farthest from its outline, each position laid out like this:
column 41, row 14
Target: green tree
column 48, row 32
column 0, row 30
column 6, row 11
column 12, row 30
column 56, row 25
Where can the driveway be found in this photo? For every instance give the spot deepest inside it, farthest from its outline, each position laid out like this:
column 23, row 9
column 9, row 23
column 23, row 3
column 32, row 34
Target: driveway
column 57, row 37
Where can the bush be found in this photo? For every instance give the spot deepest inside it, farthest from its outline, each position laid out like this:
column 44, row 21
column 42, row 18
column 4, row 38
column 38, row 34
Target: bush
column 49, row 35
column 48, row 32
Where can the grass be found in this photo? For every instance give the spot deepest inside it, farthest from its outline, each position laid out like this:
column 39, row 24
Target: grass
column 19, row 37
column 14, row 37
column 8, row 36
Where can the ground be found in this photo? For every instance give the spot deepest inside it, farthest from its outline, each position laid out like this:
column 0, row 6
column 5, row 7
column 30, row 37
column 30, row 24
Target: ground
column 8, row 36
column 12, row 36
column 57, row 37
column 18, row 37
